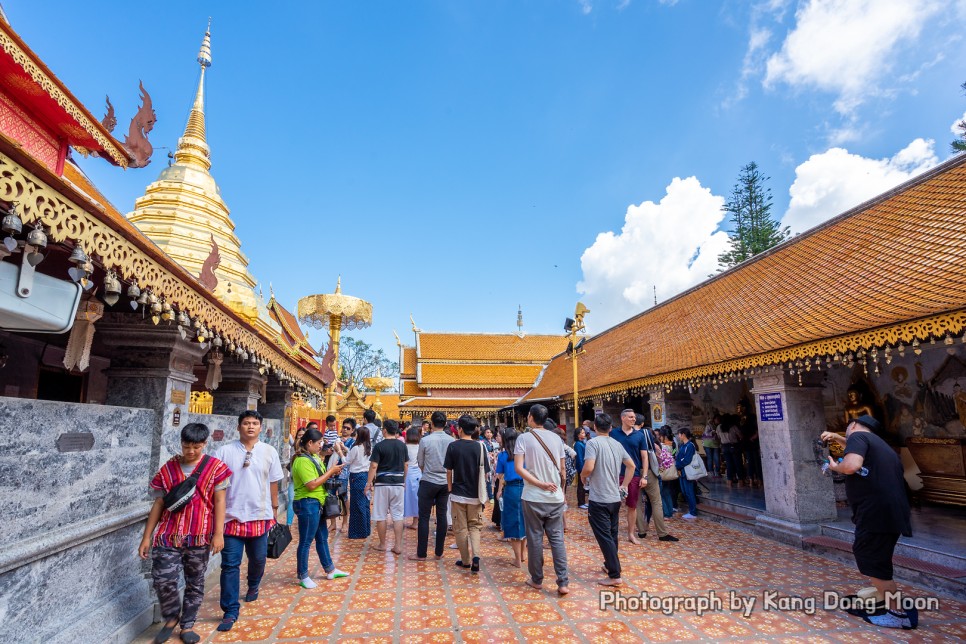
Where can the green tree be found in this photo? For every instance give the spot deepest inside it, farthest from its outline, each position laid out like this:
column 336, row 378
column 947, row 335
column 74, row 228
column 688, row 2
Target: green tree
column 959, row 145
column 753, row 230
column 359, row 360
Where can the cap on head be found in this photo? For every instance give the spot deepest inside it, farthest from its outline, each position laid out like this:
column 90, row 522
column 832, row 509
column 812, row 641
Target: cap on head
column 869, row 423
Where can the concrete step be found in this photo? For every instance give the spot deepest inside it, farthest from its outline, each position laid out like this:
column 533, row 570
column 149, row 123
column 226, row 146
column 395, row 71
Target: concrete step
column 931, row 576
column 906, row 548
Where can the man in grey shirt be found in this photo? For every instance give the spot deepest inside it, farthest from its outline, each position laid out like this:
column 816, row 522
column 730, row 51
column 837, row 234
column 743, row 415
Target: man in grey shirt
column 603, row 457
column 433, row 489
column 375, row 432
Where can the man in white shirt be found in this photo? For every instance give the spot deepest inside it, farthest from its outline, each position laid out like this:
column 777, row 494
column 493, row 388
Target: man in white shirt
column 251, row 504
column 543, row 497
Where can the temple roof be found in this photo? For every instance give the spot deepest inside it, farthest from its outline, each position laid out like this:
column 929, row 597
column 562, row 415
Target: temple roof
column 465, row 404
column 25, row 77
column 899, row 257
column 408, row 363
column 481, row 376
column 488, row 347
column 292, row 331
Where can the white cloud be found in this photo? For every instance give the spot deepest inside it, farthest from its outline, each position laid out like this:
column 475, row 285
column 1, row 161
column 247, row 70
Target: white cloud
column 586, row 6
column 957, row 126
column 672, row 244
column 847, row 46
column 830, row 183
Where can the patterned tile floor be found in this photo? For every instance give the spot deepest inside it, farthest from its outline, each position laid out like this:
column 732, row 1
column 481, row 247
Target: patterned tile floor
column 390, row 599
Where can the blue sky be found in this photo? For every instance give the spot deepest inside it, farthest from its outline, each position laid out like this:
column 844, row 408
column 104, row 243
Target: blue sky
column 455, row 159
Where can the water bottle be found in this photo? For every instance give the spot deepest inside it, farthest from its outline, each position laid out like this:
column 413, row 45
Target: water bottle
column 862, row 471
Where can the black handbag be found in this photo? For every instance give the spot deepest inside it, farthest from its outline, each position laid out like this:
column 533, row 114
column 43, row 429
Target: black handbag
column 279, row 536
column 333, row 506
column 178, row 497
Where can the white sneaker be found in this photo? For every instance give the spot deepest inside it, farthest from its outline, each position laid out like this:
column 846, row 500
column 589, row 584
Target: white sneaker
column 336, row 574
column 689, row 516
column 306, row 582
column 453, row 547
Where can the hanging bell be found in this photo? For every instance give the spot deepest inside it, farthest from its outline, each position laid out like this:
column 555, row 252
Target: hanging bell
column 231, row 347
column 168, row 313
column 37, row 237
column 112, row 289
column 244, row 355
column 156, row 309
column 152, row 298
column 183, row 319
column 217, row 342
column 133, row 291
column 143, row 299
column 12, row 225
column 78, row 256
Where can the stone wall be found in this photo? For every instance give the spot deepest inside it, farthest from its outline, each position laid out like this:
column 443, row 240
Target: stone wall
column 72, row 522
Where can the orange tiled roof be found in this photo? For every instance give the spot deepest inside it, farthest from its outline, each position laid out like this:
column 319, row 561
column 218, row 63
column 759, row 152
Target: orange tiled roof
column 489, row 347
column 291, row 326
column 897, row 258
column 408, row 366
column 456, row 403
column 411, row 388
column 478, row 375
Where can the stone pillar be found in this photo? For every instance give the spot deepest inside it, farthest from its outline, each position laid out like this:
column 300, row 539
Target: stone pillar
column 798, row 497
column 240, row 388
column 279, row 400
column 152, row 367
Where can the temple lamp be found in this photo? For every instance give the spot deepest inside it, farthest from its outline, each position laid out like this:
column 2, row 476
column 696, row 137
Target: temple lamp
column 573, row 326
column 335, row 311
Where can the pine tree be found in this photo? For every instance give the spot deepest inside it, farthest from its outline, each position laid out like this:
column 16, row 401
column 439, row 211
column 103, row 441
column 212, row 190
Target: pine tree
column 752, row 228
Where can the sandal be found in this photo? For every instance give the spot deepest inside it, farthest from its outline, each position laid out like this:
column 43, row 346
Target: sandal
column 165, row 633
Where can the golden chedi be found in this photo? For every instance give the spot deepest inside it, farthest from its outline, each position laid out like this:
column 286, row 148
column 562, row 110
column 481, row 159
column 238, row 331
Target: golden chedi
column 183, row 213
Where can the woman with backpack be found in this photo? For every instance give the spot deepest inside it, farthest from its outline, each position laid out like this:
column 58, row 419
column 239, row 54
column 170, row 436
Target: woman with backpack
column 309, row 475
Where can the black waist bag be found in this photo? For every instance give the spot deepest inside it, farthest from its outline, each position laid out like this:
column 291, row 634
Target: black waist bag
column 178, row 497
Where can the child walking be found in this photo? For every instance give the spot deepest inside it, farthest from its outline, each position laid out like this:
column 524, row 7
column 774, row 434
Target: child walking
column 185, row 537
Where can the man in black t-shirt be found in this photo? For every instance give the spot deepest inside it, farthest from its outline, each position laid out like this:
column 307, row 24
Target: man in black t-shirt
column 388, row 465
column 876, row 491
column 462, row 463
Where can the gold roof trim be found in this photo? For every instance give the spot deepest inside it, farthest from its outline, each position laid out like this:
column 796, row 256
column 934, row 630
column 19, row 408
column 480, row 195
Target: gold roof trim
column 66, row 221
column 60, row 96
column 937, row 326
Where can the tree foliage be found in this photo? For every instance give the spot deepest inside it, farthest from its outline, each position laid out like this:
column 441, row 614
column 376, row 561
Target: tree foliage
column 753, row 230
column 359, row 360
column 959, row 145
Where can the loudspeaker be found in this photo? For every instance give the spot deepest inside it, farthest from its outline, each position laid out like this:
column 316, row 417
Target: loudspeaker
column 50, row 308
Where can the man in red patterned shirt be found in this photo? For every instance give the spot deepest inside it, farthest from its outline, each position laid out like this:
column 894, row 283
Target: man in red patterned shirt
column 187, row 536
column 251, row 504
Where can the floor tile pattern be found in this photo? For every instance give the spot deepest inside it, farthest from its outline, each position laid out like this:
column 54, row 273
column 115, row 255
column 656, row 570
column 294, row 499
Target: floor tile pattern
column 393, row 600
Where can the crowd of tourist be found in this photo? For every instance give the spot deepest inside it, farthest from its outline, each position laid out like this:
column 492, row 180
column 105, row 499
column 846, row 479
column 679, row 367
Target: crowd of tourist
column 400, row 476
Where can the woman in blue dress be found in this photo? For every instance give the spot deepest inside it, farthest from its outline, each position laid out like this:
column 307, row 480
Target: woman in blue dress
column 511, row 518
column 413, row 476
column 358, row 462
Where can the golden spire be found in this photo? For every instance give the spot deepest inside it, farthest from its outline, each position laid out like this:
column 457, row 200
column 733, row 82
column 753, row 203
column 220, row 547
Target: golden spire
column 193, row 146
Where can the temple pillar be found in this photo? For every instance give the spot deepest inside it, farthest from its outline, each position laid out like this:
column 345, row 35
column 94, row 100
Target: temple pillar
column 152, row 367
column 791, row 417
column 240, row 389
column 278, row 398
